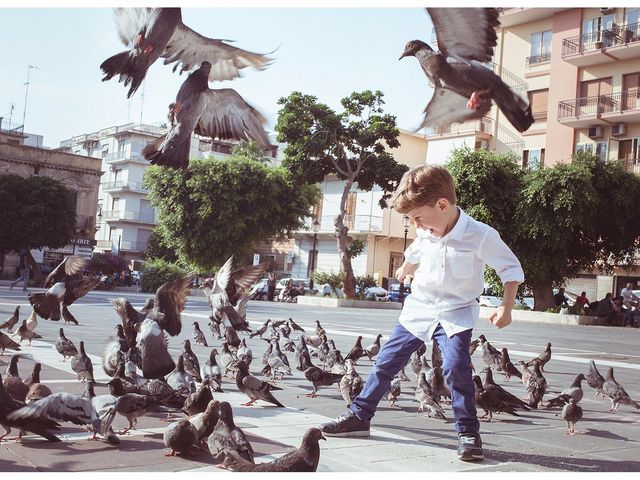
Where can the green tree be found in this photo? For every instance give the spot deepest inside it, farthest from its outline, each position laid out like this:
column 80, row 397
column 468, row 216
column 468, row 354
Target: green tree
column 352, row 144
column 35, row 212
column 559, row 221
column 250, row 150
column 157, row 249
column 220, row 208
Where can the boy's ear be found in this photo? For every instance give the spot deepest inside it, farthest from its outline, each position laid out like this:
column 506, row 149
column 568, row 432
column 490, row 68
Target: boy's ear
column 442, row 204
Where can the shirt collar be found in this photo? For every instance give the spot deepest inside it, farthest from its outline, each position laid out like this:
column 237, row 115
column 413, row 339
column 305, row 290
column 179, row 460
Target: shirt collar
column 456, row 232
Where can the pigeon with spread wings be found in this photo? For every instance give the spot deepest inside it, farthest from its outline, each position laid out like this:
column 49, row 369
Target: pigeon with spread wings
column 152, row 33
column 66, row 286
column 220, row 113
column 464, row 87
column 227, row 289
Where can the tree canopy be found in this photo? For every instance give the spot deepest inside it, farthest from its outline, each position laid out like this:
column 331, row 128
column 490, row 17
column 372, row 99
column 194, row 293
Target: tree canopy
column 220, row 208
column 559, row 221
column 36, row 212
column 353, row 144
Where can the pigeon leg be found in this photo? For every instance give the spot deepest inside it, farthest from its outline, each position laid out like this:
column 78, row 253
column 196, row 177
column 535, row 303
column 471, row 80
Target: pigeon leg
column 172, row 453
column 312, row 394
column 248, row 404
column 476, row 99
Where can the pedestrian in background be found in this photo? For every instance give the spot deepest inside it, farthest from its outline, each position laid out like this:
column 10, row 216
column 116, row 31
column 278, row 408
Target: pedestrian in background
column 24, row 271
column 271, row 286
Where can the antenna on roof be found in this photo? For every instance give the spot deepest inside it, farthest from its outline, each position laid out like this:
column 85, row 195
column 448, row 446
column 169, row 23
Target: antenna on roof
column 26, row 93
column 142, row 99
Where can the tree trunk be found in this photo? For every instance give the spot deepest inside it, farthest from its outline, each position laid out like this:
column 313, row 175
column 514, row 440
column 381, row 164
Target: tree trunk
column 542, row 297
column 342, row 235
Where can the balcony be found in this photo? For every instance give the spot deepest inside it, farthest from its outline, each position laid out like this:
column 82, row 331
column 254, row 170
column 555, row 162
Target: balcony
column 631, row 165
column 538, row 59
column 600, row 110
column 113, row 216
column 116, row 158
column 481, row 126
column 355, row 223
column 122, row 186
column 124, row 246
column 603, row 46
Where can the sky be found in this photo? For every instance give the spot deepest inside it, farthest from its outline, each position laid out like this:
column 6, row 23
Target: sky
column 324, row 51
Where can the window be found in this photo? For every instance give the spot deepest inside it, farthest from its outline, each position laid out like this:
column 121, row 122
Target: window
column 539, row 100
column 601, row 150
column 584, row 148
column 395, row 261
column 533, row 159
column 593, row 28
column 597, row 148
column 630, row 91
column 540, row 48
column 632, row 22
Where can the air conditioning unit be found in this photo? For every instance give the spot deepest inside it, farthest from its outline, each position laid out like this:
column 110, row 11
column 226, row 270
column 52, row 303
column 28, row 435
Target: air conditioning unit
column 618, row 129
column 595, row 132
column 607, row 10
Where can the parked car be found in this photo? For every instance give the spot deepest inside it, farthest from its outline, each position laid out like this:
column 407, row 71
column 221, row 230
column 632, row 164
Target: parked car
column 394, row 292
column 378, row 294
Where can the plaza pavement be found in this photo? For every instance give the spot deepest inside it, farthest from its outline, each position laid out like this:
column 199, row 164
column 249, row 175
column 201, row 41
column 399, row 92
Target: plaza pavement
column 401, row 439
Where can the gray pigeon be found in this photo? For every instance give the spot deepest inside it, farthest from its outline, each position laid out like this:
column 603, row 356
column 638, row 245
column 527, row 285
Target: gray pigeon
column 7, row 342
column 594, row 379
column 215, row 113
column 81, row 364
column 304, row 459
column 616, row 393
column 65, row 347
column 151, row 33
column 571, row 413
column 212, row 371
column 180, row 437
column 574, row 391
column 373, row 349
column 12, row 320
column 191, row 362
column 394, row 391
column 227, row 437
column 464, row 87
column 198, row 336
column 428, row 399
column 254, row 388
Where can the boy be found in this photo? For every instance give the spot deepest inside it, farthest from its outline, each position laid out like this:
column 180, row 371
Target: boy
column 448, row 257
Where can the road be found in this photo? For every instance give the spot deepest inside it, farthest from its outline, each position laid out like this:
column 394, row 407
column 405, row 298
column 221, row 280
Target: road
column 401, row 440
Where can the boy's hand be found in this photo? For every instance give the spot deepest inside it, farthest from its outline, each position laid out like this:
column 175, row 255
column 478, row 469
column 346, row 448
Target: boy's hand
column 406, row 269
column 501, row 317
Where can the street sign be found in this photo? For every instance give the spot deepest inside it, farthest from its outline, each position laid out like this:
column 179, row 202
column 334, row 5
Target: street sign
column 256, row 258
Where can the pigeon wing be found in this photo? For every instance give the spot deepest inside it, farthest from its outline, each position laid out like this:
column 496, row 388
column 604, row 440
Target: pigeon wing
column 447, row 107
column 242, row 279
column 189, row 49
column 129, row 22
column 229, row 116
column 68, row 267
column 170, row 300
column 79, row 288
column 466, row 33
column 156, row 361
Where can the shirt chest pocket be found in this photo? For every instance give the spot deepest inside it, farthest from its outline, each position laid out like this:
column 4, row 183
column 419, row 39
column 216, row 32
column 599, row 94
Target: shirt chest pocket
column 461, row 264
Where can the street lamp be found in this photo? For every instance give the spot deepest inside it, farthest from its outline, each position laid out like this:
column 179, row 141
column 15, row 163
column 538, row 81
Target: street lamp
column 406, row 221
column 315, row 226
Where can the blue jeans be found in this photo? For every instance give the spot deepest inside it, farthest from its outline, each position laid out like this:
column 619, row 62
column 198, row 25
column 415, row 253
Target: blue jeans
column 24, row 277
column 456, row 368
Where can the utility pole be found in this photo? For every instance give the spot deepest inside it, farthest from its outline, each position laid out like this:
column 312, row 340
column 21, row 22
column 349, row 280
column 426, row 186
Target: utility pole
column 142, row 99
column 26, row 93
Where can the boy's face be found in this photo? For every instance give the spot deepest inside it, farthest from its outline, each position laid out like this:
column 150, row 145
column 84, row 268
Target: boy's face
column 434, row 219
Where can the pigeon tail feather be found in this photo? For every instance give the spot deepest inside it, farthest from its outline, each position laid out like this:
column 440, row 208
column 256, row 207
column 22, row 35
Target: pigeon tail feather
column 176, row 157
column 131, row 68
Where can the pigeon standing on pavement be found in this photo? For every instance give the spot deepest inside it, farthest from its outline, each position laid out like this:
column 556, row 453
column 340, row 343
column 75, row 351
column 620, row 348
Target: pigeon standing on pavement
column 227, row 437
column 211, row 370
column 37, row 390
column 179, row 377
column 304, row 459
column 152, row 33
column 464, row 87
column 507, row 367
column 295, row 326
column 351, row 384
column 7, row 342
column 13, row 382
column 490, row 355
column 319, row 377
column 616, row 393
column 373, row 349
column 65, row 347
column 395, row 389
column 12, row 320
column 254, row 388
column 574, row 391
column 541, row 359
column 537, row 387
column 215, row 113
column 130, row 405
column 191, row 362
column 595, row 380
column 198, row 336
column 81, row 364
column 26, row 334
column 259, row 332
column 571, row 413
column 428, row 399
column 180, row 437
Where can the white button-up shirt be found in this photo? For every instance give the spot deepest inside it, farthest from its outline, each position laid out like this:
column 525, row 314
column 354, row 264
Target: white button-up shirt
column 450, row 277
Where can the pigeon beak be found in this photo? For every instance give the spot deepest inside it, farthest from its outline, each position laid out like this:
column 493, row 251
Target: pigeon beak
column 322, row 437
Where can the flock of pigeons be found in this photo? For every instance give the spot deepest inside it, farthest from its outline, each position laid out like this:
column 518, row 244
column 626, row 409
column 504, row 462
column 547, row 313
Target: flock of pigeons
column 145, row 378
column 465, row 88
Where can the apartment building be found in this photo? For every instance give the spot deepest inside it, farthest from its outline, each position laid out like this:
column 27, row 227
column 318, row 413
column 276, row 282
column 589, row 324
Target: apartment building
column 20, row 155
column 382, row 231
column 579, row 69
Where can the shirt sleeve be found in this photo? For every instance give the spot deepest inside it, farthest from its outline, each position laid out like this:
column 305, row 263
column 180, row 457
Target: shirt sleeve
column 499, row 256
column 413, row 252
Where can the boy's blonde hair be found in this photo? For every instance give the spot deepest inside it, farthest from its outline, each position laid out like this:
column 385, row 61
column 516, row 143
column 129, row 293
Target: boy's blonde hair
column 424, row 185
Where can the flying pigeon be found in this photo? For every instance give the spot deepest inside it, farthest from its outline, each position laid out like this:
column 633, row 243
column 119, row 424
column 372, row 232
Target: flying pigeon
column 304, row 459
column 66, row 286
column 227, row 289
column 151, row 33
column 216, row 113
column 464, row 87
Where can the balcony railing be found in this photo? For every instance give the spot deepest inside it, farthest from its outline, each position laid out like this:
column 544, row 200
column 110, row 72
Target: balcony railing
column 598, row 104
column 114, row 156
column 594, row 41
column 537, row 59
column 355, row 223
column 630, row 164
column 122, row 185
column 133, row 246
column 485, row 125
column 121, row 215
